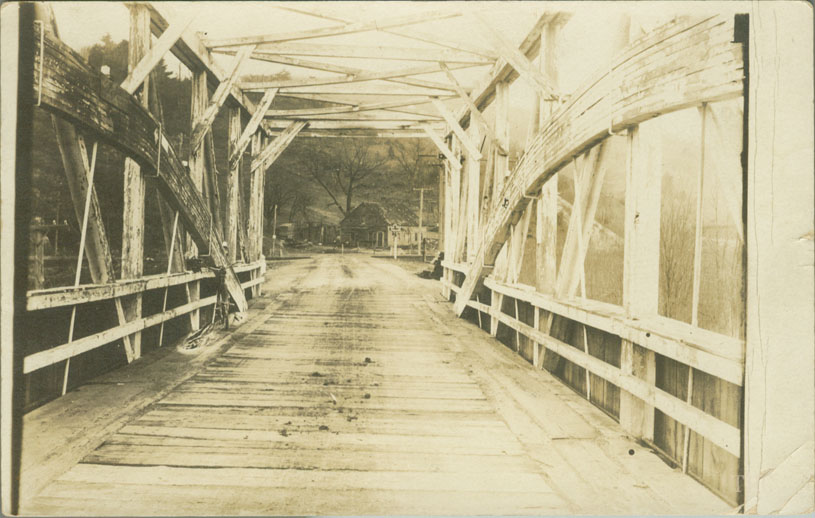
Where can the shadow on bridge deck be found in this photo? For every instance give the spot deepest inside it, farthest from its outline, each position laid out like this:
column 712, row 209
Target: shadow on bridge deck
column 352, row 389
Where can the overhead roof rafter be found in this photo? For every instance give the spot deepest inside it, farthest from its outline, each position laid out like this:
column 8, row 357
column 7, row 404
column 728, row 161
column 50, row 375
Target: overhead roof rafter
column 516, row 58
column 336, row 30
column 371, row 88
column 279, row 124
column 367, row 76
column 352, row 71
column 474, row 112
column 382, row 52
column 303, row 112
column 359, row 133
column 317, row 97
column 413, row 34
column 483, row 93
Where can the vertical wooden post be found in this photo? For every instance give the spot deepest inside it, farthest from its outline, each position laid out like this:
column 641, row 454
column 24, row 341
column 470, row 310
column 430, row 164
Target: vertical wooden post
column 536, row 355
column 233, row 184
column 198, row 104
column 546, row 237
column 779, row 399
column 173, row 236
column 504, row 264
column 262, row 140
column 642, row 210
column 447, row 214
column 548, row 49
column 36, row 256
column 518, row 243
column 460, row 196
column 502, row 134
column 697, row 246
column 16, row 54
column 251, row 215
column 495, row 309
column 134, row 182
column 450, row 175
column 255, row 221
column 547, row 205
column 472, row 196
column 442, row 220
column 640, row 275
column 260, row 208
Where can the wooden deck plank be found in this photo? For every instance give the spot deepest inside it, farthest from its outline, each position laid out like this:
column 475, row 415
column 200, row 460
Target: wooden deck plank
column 292, row 419
column 146, row 500
column 308, row 459
column 273, row 439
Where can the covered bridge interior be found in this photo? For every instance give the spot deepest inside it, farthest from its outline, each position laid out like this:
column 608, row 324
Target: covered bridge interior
column 626, row 208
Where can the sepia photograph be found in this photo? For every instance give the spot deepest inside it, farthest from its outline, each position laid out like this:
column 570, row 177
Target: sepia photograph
column 343, row 258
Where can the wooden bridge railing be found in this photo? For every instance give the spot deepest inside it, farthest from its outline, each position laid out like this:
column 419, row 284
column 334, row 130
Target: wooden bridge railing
column 85, row 105
column 610, row 353
column 84, row 294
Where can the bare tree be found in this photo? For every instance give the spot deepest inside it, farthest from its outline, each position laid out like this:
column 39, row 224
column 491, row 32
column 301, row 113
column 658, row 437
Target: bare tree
column 299, row 205
column 676, row 244
column 407, row 154
column 283, row 189
column 342, row 167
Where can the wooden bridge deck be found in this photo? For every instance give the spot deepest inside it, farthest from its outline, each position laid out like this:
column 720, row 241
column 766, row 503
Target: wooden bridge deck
column 352, row 389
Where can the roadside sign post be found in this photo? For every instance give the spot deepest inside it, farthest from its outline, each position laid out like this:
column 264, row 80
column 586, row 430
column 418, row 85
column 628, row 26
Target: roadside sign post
column 394, row 230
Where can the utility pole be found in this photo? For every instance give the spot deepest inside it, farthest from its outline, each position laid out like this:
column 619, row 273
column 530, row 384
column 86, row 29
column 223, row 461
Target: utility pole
column 274, row 229
column 419, row 246
column 56, row 233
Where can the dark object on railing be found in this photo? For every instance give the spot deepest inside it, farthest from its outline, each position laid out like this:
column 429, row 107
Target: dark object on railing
column 194, row 263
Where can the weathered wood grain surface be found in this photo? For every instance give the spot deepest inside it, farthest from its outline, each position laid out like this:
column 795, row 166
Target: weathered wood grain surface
column 682, row 64
column 354, row 392
column 71, row 89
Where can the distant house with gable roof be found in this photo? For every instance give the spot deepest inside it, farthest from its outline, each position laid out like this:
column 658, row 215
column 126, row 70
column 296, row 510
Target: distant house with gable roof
column 370, row 225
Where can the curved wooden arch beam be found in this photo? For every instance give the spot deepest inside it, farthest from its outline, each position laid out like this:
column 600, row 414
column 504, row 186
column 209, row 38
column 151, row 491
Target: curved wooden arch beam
column 682, row 64
column 70, row 89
